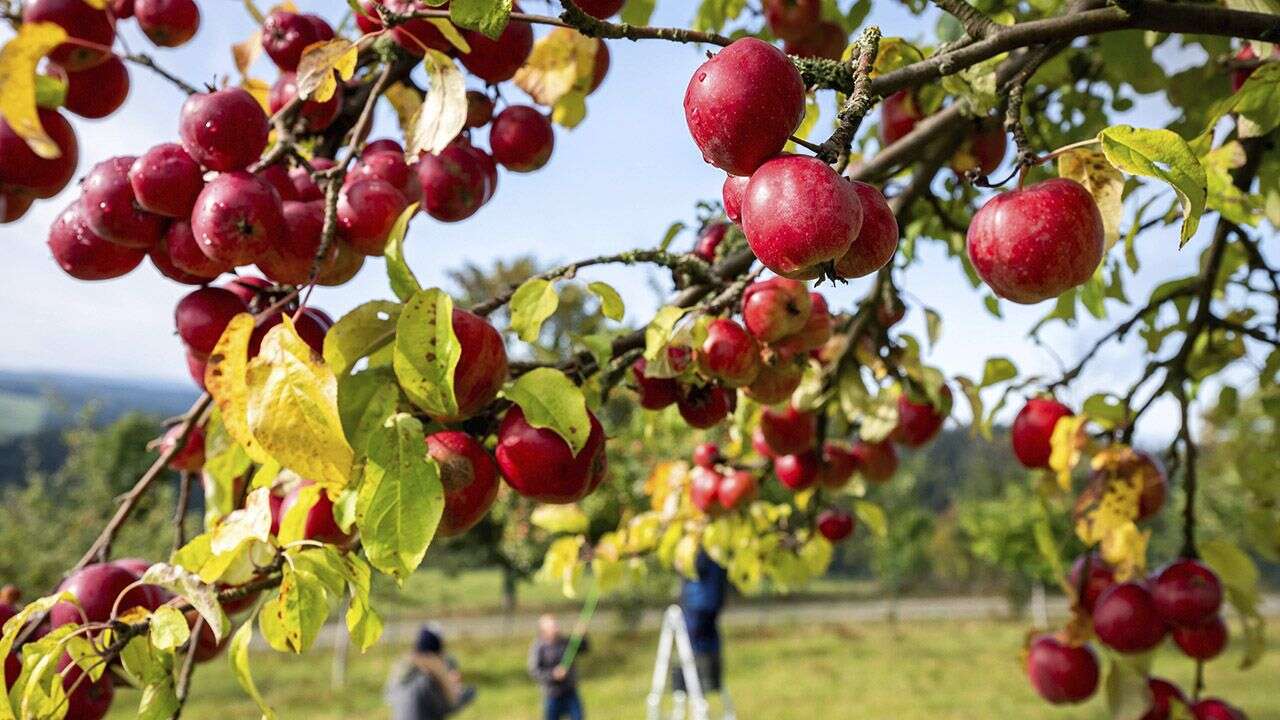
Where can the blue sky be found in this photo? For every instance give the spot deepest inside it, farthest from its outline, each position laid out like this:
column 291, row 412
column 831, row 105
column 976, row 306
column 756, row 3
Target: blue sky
column 614, row 183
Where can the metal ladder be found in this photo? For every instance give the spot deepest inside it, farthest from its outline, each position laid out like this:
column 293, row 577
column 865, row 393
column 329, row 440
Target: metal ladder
column 676, row 633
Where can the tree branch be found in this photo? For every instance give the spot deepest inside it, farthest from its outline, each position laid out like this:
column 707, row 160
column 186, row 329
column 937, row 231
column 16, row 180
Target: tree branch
column 858, row 104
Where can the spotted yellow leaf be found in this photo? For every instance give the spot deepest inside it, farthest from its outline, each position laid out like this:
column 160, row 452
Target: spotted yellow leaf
column 1104, row 182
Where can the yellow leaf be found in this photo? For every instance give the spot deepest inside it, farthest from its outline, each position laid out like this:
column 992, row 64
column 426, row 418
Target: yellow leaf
column 1106, row 510
column 18, row 60
column 570, row 110
column 1104, row 182
column 225, row 378
column 450, row 33
column 443, row 114
column 1125, row 549
column 1065, row 445
column 96, row 4
column 320, row 61
column 260, row 92
column 246, row 52
column 407, row 103
column 292, row 409
column 559, row 59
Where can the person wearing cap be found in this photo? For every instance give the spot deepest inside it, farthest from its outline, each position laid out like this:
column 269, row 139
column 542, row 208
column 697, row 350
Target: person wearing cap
column 427, row 684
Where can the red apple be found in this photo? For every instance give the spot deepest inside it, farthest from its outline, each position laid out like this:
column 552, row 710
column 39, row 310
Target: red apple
column 759, row 445
column 600, row 9
column 166, row 181
column 388, row 166
column 826, row 40
column 776, row 380
column 454, row 183
column 41, row 177
column 1101, row 578
column 709, row 239
column 237, row 217
column 469, row 476
column 797, row 472
column 919, row 422
column 877, row 240
column 223, row 130
column 1186, row 592
column 111, row 210
column 1163, row 695
column 838, row 465
column 731, row 193
column 85, row 256
column 798, row 213
column 1032, row 431
column 743, row 104
column 367, row 210
column 167, row 23
column 899, row 114
column 835, row 524
column 729, row 354
column 815, row 333
column 97, row 587
column 737, row 488
column 521, row 138
column 202, row 315
column 189, row 457
column 792, row 19
column 316, row 116
column 496, row 61
column 775, row 308
column 98, row 91
column 877, row 462
column 1203, row 641
column 788, row 431
column 706, row 405
column 1215, row 709
column 482, row 366
column 655, row 393
column 86, row 699
column 479, row 109
column 1062, row 673
column 416, row 35
column 319, row 525
column 704, row 489
column 1125, row 619
column 1033, row 244
column 540, row 465
column 286, row 34
column 184, row 253
column 983, row 149
column 81, row 21
column 290, row 259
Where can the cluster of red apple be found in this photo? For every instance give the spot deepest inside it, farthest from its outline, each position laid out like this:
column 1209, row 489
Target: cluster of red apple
column 97, row 83
column 799, row 24
column 105, row 591
column 1183, row 600
column 801, row 218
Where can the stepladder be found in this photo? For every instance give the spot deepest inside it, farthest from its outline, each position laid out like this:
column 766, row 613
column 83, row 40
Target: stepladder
column 692, row 701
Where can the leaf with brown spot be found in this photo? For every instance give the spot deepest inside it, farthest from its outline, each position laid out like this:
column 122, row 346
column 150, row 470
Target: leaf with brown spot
column 319, row 63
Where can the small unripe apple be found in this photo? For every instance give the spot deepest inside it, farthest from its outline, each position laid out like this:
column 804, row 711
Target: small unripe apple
column 788, row 431
column 737, row 488
column 877, row 462
column 1163, row 695
column 792, row 19
column 743, row 104
column 1101, row 578
column 899, row 114
column 877, row 240
column 1203, row 641
column 655, row 393
column 320, row 525
column 1186, row 592
column 1032, row 431
column 838, row 465
column 1125, row 619
column 777, row 379
column 705, row 406
column 797, row 472
column 224, row 130
column 707, row 455
column 1036, row 243
column 540, row 465
column 835, row 524
column 704, row 490
column 798, row 213
column 469, row 476
column 775, row 308
column 731, row 193
column 729, row 354
column 1215, row 709
column 919, row 422
column 1062, row 673
column 709, row 239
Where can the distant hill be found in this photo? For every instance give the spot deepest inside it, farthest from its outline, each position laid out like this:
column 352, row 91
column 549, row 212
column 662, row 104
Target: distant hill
column 36, row 407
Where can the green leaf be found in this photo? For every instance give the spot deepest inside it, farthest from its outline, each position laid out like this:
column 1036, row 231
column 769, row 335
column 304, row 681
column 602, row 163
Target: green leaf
column 533, row 302
column 401, row 498
column 403, row 282
column 169, row 628
column 159, row 700
column 560, row 518
column 1105, row 409
column 933, row 326
column 363, row 622
column 486, row 16
column 427, row 352
column 992, row 305
column 657, row 334
column 638, row 12
column 365, row 401
column 51, row 92
column 444, row 111
column 292, row 618
column 1125, row 688
column 1164, row 155
column 1239, row 576
column 360, row 333
column 997, row 370
column 550, row 400
column 611, row 305
column 672, row 231
column 872, row 515
column 713, row 14
column 238, row 655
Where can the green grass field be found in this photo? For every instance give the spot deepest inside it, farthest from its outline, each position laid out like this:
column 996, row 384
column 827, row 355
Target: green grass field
column 935, row 670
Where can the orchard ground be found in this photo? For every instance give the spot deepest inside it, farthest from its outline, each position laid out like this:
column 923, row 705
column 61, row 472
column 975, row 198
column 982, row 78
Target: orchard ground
column 940, row 670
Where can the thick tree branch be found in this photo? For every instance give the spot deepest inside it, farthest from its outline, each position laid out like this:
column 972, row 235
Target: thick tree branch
column 859, row 103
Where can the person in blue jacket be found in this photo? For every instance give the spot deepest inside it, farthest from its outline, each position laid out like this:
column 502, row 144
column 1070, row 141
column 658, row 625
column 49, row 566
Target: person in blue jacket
column 701, row 600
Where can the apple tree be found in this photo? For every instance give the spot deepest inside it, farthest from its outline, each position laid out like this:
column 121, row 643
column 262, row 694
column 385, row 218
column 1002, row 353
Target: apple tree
column 328, row 451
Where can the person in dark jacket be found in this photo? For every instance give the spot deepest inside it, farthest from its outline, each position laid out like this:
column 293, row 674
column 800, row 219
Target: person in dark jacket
column 701, row 601
column 559, row 684
column 427, row 685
